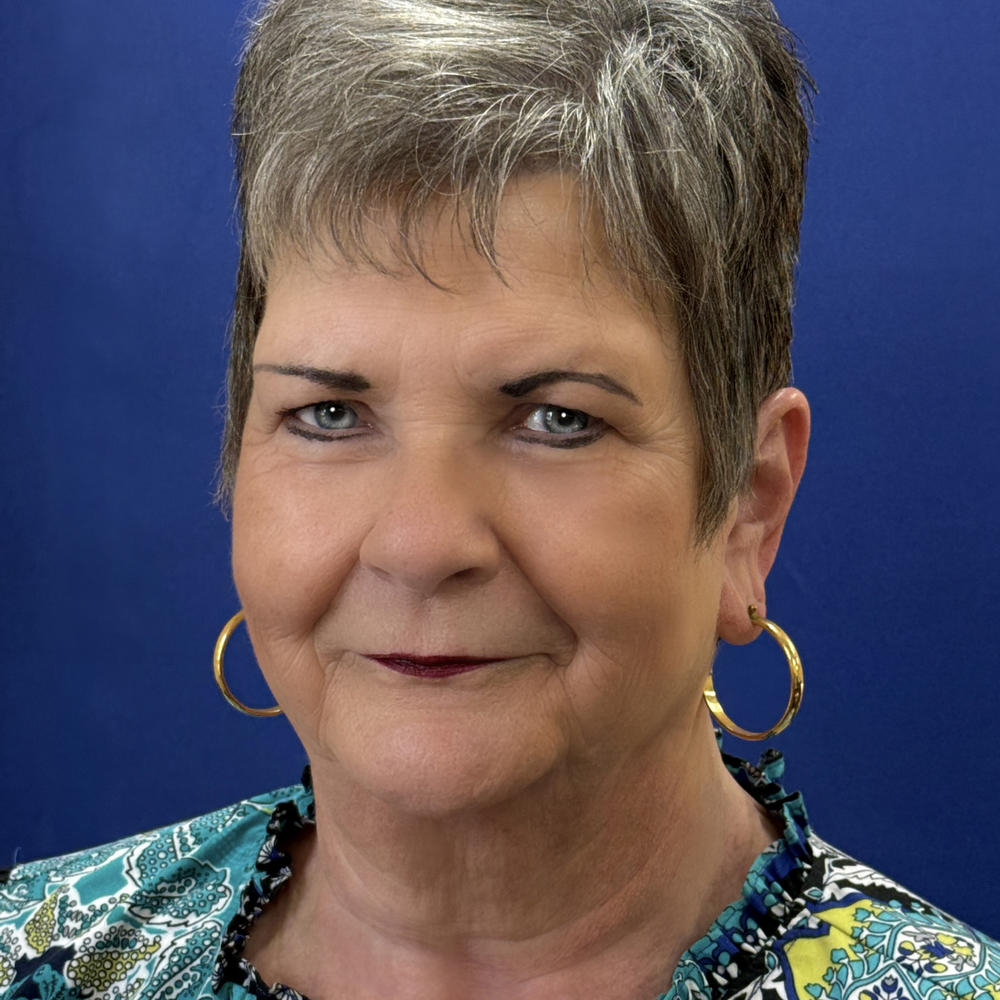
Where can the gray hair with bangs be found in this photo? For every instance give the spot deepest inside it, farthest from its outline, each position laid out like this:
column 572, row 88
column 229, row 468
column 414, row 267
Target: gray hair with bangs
column 684, row 121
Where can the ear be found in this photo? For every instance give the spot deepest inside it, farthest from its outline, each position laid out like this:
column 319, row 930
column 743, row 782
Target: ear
column 758, row 516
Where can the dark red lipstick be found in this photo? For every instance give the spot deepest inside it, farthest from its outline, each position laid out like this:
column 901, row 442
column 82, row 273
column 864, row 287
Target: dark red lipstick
column 430, row 666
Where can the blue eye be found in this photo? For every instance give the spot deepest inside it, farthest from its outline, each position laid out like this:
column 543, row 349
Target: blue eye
column 329, row 416
column 557, row 420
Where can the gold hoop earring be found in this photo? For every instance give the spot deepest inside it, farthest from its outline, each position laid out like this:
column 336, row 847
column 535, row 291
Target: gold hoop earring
column 795, row 688
column 220, row 677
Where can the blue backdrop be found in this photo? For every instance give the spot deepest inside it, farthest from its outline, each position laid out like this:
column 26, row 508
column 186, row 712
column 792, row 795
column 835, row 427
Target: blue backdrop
column 118, row 253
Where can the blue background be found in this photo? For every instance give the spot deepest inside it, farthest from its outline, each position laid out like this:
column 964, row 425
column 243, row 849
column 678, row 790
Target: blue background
column 118, row 251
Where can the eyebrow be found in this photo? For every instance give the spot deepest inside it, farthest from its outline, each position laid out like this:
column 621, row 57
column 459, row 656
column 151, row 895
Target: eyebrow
column 329, row 378
column 528, row 383
column 348, row 381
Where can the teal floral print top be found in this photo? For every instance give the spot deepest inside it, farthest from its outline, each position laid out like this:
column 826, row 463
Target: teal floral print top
column 165, row 916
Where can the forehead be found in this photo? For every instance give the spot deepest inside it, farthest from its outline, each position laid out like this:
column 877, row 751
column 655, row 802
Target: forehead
column 550, row 286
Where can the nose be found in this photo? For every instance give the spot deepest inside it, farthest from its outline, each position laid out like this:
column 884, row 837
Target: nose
column 434, row 525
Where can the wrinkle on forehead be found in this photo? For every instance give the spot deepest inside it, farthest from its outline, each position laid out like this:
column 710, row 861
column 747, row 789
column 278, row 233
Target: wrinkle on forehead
column 550, row 208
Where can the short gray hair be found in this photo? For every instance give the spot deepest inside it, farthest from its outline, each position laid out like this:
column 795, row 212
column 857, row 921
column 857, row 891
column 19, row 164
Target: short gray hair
column 685, row 122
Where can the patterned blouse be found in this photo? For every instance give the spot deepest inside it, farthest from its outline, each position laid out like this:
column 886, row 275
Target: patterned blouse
column 165, row 916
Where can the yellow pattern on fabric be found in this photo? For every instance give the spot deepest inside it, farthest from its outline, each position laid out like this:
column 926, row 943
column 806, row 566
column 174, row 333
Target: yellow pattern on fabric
column 6, row 972
column 874, row 951
column 813, row 959
column 102, row 968
column 39, row 930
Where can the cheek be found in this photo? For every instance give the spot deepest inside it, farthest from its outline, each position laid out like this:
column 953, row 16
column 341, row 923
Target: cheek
column 293, row 546
column 616, row 548
column 619, row 566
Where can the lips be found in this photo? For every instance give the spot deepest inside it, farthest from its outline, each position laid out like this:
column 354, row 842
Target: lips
column 430, row 666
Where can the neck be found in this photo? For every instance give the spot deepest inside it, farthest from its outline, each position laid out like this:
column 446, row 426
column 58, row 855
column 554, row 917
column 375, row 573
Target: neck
column 583, row 881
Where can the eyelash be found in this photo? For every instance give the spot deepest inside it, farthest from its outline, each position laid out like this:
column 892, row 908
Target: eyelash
column 301, row 428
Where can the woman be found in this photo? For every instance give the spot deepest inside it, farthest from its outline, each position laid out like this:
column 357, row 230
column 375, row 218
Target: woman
column 510, row 447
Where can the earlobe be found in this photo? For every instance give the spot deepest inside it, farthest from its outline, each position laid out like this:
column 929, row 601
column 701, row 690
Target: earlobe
column 759, row 514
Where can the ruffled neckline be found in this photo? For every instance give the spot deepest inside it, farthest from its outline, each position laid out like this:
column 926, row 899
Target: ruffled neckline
column 731, row 952
column 273, row 867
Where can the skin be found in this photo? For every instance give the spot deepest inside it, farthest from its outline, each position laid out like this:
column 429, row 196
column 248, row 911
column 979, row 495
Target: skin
column 558, row 823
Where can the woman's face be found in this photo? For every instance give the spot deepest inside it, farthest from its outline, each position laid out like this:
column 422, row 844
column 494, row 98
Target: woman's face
column 499, row 471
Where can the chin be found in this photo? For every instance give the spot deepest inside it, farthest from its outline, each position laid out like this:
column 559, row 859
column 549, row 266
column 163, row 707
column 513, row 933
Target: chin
column 437, row 770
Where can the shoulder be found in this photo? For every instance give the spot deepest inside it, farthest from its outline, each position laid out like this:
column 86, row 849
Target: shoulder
column 147, row 911
column 860, row 934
